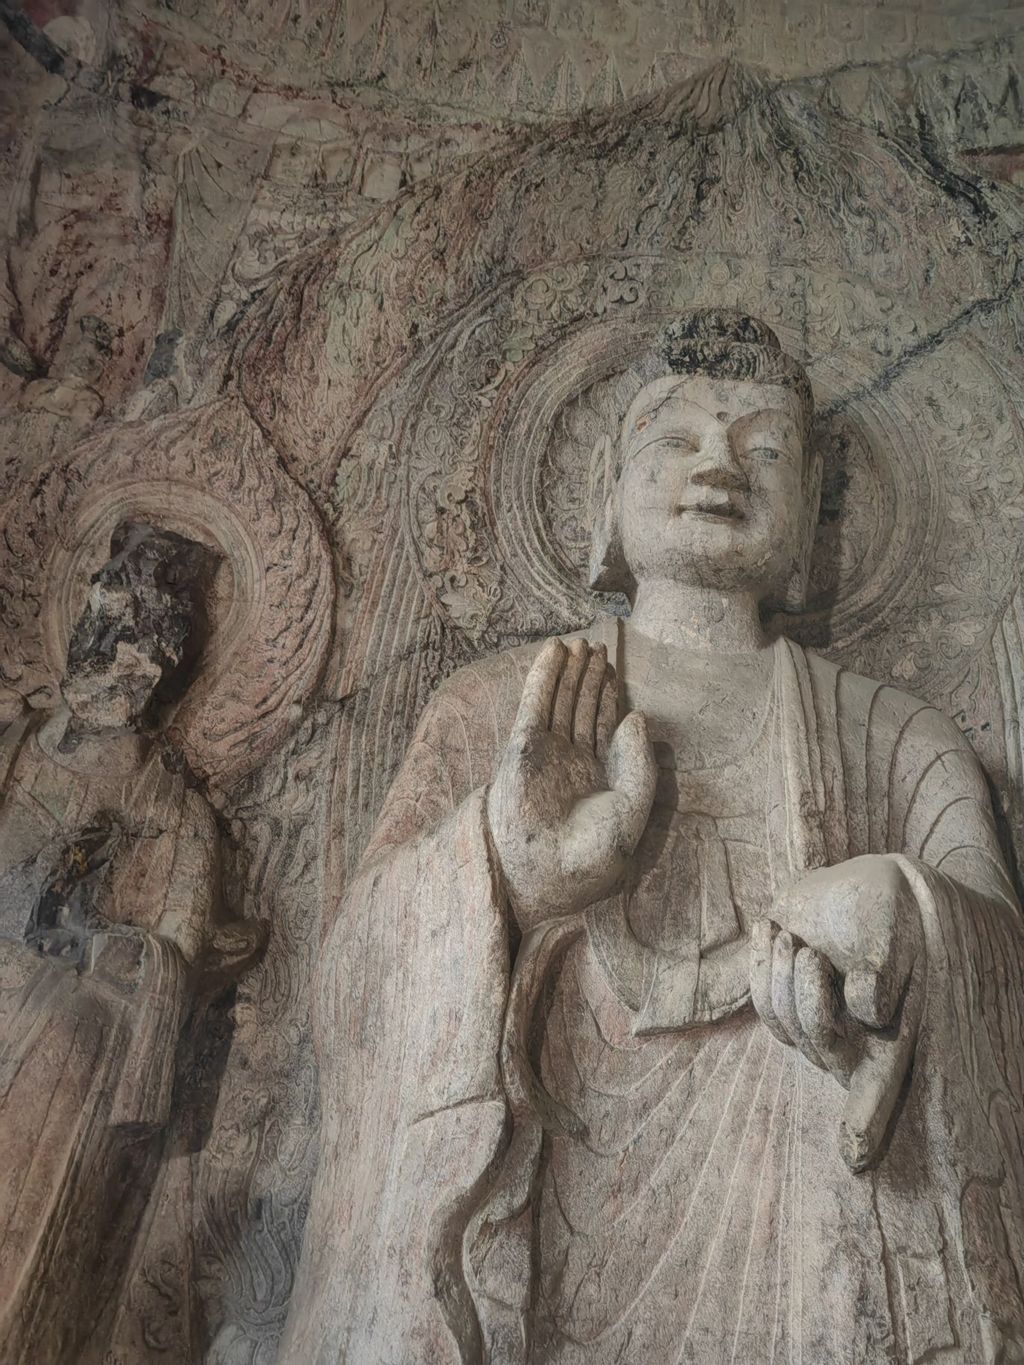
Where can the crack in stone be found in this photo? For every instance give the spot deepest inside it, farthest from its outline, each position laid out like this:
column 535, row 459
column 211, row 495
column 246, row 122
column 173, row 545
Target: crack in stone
column 998, row 46
column 926, row 346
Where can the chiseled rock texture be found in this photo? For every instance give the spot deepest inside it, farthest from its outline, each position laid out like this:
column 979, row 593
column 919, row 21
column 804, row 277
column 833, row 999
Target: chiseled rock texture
column 347, row 294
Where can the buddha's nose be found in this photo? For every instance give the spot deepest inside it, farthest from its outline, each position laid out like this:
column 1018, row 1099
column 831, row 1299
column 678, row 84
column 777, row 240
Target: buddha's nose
column 717, row 465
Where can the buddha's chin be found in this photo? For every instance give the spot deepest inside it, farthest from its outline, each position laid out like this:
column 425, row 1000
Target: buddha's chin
column 718, row 546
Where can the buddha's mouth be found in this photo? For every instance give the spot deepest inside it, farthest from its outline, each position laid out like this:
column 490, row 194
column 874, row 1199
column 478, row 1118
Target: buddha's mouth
column 712, row 511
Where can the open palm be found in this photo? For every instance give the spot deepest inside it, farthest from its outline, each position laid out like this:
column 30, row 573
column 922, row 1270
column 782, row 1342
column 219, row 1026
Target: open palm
column 574, row 788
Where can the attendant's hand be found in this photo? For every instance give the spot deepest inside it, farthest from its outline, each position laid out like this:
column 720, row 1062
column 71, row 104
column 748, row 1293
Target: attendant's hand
column 573, row 790
column 838, row 972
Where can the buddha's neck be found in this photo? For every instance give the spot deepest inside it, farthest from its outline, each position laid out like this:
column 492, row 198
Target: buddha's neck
column 706, row 620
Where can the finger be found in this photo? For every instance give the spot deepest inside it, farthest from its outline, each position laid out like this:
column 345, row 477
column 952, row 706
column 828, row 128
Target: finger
column 568, row 681
column 762, row 936
column 875, row 983
column 817, row 1005
column 867, row 1112
column 632, row 775
column 874, row 997
column 588, row 695
column 607, row 711
column 877, row 1082
column 783, row 991
column 537, row 700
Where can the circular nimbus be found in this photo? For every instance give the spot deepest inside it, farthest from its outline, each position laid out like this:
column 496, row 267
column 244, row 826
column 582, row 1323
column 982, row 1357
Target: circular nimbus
column 504, row 422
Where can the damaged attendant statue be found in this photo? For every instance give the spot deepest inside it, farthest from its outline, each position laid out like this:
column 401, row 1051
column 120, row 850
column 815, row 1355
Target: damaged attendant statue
column 113, row 936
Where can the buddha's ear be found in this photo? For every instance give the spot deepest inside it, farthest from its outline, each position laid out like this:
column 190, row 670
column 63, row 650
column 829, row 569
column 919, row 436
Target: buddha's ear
column 608, row 569
column 796, row 589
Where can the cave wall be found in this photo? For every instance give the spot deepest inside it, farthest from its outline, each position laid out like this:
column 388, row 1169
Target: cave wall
column 410, row 260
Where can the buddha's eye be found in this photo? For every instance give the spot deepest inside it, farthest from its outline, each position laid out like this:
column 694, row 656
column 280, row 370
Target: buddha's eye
column 681, row 445
column 766, row 453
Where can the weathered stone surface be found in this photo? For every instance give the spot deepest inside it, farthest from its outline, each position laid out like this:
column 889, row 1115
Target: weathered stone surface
column 636, row 882
column 206, row 470
column 114, row 938
column 358, row 297
column 142, row 630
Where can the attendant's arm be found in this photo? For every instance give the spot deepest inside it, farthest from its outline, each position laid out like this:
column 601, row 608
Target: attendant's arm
column 215, row 944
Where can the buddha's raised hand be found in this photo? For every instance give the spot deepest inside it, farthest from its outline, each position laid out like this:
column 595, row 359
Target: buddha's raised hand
column 573, row 790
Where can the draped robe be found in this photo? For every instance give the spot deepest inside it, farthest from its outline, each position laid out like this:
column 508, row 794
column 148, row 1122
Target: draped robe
column 88, row 1046
column 695, row 1207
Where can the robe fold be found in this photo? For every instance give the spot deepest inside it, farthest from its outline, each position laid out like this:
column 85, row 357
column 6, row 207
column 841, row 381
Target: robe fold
column 88, row 1038
column 695, row 1207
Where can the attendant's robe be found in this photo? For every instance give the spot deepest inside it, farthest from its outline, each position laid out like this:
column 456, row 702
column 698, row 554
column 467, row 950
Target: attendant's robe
column 90, row 1021
column 548, row 1149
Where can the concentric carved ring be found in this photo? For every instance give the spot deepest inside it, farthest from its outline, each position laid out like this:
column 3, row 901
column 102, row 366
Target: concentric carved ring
column 205, row 474
column 496, row 448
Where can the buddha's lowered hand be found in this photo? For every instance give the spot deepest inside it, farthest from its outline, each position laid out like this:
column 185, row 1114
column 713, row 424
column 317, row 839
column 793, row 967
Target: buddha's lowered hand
column 837, row 971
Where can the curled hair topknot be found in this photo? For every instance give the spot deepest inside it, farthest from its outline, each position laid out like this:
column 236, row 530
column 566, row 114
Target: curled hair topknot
column 723, row 344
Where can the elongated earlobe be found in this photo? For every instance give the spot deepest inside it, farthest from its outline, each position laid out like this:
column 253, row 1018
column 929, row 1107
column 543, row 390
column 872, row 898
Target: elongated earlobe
column 608, row 569
column 795, row 597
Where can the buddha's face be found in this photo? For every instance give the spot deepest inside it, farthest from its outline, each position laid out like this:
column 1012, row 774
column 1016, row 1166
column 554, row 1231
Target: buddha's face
column 711, row 490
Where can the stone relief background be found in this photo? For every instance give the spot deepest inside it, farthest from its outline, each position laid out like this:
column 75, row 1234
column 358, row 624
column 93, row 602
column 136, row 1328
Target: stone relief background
column 411, row 257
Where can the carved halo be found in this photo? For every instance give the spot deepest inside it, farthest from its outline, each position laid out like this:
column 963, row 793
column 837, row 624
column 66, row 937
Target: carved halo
column 499, row 443
column 208, row 475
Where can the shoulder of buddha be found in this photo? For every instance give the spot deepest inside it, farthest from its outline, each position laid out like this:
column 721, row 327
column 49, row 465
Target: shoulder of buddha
column 882, row 715
column 860, row 707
